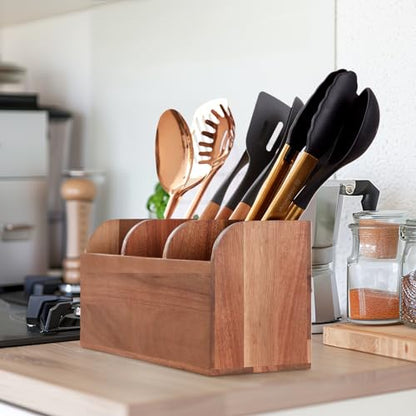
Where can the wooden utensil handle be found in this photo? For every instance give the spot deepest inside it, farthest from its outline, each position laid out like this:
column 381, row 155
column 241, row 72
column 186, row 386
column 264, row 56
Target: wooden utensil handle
column 291, row 186
column 78, row 194
column 210, row 211
column 294, row 212
column 272, row 183
column 224, row 213
column 241, row 212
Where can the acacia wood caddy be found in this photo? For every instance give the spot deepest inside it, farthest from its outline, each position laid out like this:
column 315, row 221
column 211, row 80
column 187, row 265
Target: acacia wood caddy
column 214, row 297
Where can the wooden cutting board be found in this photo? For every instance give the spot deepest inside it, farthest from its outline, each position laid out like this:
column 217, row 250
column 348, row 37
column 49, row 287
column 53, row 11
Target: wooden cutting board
column 395, row 341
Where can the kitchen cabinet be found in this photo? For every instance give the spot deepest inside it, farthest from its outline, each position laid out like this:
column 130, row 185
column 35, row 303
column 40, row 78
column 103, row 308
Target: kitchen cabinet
column 63, row 379
column 23, row 194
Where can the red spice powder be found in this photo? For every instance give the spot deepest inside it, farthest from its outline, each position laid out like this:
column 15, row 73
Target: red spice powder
column 368, row 304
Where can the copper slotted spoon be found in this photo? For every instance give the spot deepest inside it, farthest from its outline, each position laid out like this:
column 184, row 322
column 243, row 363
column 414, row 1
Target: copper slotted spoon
column 174, row 156
column 215, row 149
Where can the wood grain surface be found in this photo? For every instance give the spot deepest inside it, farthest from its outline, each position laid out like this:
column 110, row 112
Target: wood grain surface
column 397, row 341
column 108, row 237
column 91, row 383
column 160, row 312
column 194, row 240
column 241, row 211
column 263, row 306
column 229, row 301
column 224, row 213
column 148, row 238
column 210, row 211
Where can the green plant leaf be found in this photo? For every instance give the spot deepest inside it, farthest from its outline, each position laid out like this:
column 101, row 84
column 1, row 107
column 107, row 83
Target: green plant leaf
column 156, row 204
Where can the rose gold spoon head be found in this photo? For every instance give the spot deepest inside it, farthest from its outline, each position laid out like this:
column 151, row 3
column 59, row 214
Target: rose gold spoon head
column 174, row 156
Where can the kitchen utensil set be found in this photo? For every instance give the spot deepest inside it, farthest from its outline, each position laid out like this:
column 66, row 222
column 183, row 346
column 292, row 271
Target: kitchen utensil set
column 286, row 168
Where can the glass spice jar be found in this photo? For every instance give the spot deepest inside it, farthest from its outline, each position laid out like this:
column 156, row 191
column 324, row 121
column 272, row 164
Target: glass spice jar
column 374, row 268
column 408, row 273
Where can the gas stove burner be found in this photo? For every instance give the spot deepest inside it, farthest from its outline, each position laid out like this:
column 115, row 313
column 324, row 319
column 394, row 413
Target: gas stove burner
column 50, row 313
column 70, row 289
column 50, row 285
column 53, row 306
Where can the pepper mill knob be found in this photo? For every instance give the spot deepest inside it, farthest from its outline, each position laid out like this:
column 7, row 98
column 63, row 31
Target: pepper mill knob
column 78, row 194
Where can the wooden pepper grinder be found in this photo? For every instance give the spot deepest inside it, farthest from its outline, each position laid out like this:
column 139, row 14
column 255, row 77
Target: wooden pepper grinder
column 78, row 194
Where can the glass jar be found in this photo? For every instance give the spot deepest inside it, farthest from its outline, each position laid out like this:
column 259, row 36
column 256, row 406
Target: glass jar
column 374, row 268
column 408, row 273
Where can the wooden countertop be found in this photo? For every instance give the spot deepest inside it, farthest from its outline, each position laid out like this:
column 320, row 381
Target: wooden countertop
column 64, row 379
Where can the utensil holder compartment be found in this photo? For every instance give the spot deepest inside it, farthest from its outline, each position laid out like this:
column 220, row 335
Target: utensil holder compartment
column 213, row 297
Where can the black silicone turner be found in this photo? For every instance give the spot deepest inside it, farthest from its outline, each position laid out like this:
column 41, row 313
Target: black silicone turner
column 250, row 196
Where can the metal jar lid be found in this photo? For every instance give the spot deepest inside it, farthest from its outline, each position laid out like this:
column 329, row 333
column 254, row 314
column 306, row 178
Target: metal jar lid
column 389, row 216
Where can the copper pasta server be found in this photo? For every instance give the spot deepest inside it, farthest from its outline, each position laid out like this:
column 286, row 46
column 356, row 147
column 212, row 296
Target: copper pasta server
column 215, row 148
column 200, row 170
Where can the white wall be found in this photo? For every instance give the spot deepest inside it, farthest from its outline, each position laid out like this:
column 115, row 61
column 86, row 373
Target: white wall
column 119, row 66
column 377, row 39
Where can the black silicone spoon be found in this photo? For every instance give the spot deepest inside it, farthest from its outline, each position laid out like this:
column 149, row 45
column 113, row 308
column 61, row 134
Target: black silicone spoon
column 358, row 133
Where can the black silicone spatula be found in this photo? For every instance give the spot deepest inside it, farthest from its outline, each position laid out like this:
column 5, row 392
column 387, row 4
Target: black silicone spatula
column 356, row 136
column 295, row 141
column 324, row 129
column 243, row 207
column 268, row 113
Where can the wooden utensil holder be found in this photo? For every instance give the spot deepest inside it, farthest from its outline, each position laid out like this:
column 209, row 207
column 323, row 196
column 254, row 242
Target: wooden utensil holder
column 225, row 297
